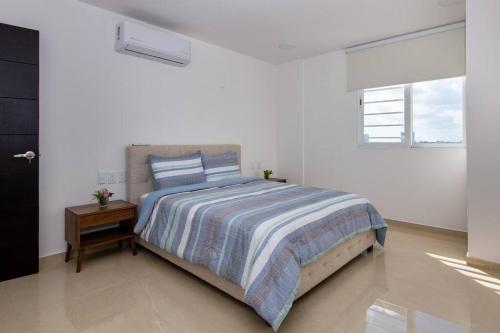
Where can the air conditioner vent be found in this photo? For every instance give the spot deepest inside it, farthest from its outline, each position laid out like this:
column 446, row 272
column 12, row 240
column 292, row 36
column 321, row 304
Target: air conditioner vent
column 152, row 44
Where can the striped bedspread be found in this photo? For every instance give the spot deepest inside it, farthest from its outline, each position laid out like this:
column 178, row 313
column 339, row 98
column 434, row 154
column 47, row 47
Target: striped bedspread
column 255, row 233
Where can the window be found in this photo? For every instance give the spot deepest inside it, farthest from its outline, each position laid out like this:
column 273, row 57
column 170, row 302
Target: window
column 431, row 111
column 384, row 115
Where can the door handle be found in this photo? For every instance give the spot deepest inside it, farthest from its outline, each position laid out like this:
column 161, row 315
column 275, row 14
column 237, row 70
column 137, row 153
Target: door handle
column 29, row 155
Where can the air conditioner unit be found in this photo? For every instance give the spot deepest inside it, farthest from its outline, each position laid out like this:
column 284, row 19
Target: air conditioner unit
column 145, row 42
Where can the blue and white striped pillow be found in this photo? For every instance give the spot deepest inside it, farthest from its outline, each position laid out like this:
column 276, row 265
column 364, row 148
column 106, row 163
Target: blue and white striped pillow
column 176, row 171
column 219, row 167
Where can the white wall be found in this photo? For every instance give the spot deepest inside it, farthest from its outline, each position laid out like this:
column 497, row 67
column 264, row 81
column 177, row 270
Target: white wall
column 94, row 102
column 290, row 122
column 483, row 135
column 424, row 186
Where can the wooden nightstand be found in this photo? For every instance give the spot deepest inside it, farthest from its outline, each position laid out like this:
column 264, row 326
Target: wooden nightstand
column 79, row 218
column 279, row 180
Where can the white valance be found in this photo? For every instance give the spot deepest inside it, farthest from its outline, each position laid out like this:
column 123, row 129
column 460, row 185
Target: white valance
column 427, row 56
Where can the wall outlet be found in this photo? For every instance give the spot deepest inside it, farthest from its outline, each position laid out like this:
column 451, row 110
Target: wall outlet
column 102, row 178
column 111, row 178
column 120, row 177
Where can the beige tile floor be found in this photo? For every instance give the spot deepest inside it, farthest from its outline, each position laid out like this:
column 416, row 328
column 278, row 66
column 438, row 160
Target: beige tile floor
column 417, row 283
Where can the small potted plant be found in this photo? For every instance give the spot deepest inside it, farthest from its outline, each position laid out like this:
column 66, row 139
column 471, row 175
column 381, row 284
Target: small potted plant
column 267, row 173
column 102, row 197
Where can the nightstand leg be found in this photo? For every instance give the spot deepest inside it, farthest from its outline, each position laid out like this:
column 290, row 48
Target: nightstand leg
column 120, row 244
column 81, row 253
column 132, row 245
column 68, row 252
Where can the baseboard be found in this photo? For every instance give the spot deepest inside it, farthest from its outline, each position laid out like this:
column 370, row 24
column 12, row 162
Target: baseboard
column 51, row 260
column 50, row 254
column 450, row 232
column 480, row 263
column 60, row 256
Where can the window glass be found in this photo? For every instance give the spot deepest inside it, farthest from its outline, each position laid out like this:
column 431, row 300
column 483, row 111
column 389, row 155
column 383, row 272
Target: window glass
column 434, row 107
column 438, row 111
column 383, row 118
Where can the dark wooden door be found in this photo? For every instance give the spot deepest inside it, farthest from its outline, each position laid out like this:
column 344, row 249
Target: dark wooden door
column 18, row 135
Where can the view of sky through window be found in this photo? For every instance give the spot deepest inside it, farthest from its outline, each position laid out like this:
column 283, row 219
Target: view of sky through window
column 438, row 111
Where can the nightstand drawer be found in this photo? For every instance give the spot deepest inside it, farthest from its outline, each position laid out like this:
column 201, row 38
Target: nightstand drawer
column 106, row 217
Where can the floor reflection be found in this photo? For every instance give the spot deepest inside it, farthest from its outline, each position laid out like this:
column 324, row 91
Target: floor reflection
column 425, row 323
column 475, row 274
column 384, row 317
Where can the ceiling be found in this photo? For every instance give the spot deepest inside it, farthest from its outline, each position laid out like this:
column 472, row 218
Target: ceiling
column 258, row 27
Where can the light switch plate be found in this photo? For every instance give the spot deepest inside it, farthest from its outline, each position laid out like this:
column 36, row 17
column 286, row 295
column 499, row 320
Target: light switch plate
column 102, row 178
column 120, row 177
column 111, row 178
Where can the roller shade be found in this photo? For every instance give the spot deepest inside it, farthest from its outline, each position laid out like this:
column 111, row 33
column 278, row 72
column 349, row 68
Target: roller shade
column 433, row 56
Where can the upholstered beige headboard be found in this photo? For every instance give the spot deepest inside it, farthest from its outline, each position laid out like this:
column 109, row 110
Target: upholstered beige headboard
column 138, row 171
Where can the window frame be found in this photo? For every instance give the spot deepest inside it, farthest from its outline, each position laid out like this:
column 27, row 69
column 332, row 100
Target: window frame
column 408, row 117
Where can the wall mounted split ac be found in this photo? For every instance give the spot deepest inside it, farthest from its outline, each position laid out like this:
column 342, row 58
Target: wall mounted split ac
column 149, row 43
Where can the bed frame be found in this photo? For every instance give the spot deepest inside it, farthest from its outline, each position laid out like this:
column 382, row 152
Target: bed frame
column 139, row 182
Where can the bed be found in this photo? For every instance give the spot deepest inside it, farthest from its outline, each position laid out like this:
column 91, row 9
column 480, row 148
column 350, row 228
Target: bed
column 311, row 272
